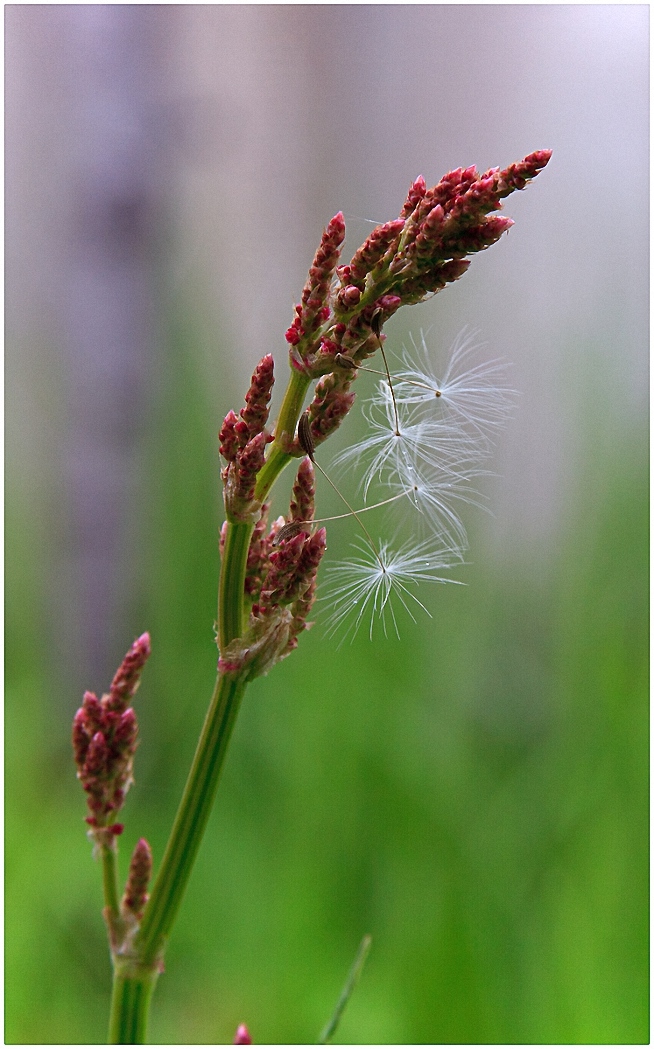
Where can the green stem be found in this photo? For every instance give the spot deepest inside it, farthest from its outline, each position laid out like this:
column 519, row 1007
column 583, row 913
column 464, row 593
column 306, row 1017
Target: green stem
column 111, row 913
column 352, row 979
column 289, row 414
column 135, row 975
column 110, row 882
column 130, row 1005
column 191, row 819
column 231, row 592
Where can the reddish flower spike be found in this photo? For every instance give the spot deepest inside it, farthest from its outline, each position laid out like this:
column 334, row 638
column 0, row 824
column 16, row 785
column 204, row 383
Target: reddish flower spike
column 140, row 871
column 304, row 491
column 257, row 399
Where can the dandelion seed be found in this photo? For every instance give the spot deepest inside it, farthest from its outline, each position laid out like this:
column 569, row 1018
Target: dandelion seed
column 476, row 394
column 432, row 493
column 365, row 585
column 398, row 444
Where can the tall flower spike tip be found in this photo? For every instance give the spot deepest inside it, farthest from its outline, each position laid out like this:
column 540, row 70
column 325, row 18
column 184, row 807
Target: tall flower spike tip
column 257, row 399
column 242, row 444
column 402, row 262
column 314, row 308
column 127, row 677
column 242, row 1036
column 516, row 176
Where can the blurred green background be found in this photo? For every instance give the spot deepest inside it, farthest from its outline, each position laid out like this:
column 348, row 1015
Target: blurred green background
column 475, row 795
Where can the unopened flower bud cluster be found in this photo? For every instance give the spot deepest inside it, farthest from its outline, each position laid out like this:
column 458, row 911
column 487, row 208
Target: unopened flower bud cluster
column 105, row 733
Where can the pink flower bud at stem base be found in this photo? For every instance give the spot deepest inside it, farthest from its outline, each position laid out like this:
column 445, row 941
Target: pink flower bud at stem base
column 136, row 889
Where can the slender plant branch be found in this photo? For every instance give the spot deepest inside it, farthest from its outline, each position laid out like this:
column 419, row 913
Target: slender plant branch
column 231, row 604
column 191, row 819
column 110, row 883
column 135, row 975
column 329, row 1030
column 289, row 414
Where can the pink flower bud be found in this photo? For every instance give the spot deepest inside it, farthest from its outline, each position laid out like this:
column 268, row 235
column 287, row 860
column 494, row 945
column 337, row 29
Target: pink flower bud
column 349, row 296
column 304, row 491
column 257, row 399
column 127, row 677
column 126, row 730
column 229, row 440
column 96, row 756
column 281, row 578
column 81, row 738
column 293, row 334
column 435, row 219
column 136, row 889
column 315, row 308
column 92, row 709
column 382, row 239
column 416, row 192
column 312, row 552
column 479, row 237
column 242, row 1036
column 328, row 348
column 331, row 403
column 388, row 303
column 105, row 737
column 248, row 464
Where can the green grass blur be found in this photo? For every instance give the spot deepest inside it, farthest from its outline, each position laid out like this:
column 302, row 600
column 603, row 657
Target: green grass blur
column 474, row 796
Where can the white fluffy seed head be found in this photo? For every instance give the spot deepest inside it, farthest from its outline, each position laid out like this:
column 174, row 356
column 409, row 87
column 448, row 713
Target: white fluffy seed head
column 476, row 394
column 400, row 443
column 363, row 587
column 427, row 439
column 436, row 497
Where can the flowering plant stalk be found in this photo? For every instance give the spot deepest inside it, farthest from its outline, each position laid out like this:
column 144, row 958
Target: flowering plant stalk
column 268, row 573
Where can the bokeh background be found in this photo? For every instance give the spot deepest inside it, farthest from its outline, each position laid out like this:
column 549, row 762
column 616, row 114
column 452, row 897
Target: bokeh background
column 474, row 795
